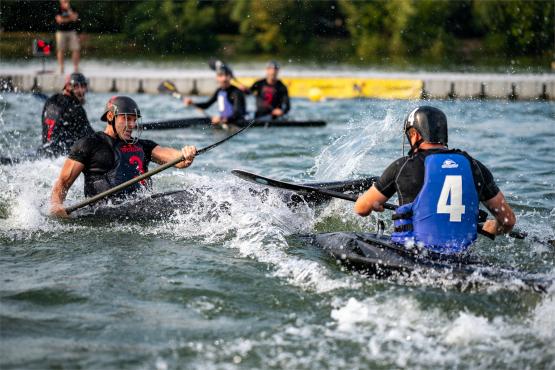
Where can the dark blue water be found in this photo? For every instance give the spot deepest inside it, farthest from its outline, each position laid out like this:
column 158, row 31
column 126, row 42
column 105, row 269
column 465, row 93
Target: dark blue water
column 239, row 290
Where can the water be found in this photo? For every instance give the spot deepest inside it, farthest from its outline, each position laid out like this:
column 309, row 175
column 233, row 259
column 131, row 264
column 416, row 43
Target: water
column 240, row 290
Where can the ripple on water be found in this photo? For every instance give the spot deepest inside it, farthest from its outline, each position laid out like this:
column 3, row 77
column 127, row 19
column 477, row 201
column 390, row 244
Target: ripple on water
column 232, row 288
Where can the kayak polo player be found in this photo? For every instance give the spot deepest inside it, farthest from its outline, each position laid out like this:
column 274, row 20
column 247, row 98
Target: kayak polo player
column 113, row 156
column 439, row 190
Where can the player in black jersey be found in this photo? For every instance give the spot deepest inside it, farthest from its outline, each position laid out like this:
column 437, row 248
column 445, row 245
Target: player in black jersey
column 272, row 97
column 231, row 100
column 114, row 156
column 64, row 120
column 439, row 190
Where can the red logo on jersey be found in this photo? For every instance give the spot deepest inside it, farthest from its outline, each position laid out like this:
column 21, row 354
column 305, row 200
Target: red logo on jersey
column 50, row 123
column 138, row 163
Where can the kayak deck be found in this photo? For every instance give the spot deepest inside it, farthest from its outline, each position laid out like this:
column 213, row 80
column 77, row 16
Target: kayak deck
column 204, row 122
column 165, row 205
column 376, row 256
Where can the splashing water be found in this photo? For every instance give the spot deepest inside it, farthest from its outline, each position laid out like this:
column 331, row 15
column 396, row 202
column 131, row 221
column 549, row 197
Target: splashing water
column 224, row 284
column 347, row 155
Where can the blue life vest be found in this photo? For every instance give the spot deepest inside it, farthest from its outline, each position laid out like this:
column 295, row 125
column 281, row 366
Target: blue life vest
column 224, row 105
column 444, row 215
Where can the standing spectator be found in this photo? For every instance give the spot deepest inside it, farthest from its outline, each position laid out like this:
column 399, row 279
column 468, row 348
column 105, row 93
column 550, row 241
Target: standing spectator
column 67, row 22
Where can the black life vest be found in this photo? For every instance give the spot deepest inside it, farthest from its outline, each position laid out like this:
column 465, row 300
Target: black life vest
column 129, row 162
column 64, row 121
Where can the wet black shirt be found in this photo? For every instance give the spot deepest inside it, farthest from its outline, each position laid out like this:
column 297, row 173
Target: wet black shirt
column 235, row 96
column 270, row 97
column 405, row 177
column 64, row 121
column 96, row 154
column 70, row 26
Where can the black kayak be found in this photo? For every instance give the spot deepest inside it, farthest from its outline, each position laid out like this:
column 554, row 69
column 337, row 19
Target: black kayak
column 204, row 122
column 378, row 257
column 163, row 206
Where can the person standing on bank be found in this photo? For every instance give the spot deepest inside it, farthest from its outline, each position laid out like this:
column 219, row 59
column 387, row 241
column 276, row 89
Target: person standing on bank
column 439, row 190
column 231, row 100
column 114, row 156
column 67, row 23
column 272, row 97
column 64, row 120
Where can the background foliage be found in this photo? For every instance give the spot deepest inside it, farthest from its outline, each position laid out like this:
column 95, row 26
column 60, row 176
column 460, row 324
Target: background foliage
column 340, row 29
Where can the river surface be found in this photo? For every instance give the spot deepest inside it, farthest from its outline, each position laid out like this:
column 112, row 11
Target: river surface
column 238, row 288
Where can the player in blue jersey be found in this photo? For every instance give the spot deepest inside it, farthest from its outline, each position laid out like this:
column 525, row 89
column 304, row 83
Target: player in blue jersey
column 230, row 99
column 439, row 190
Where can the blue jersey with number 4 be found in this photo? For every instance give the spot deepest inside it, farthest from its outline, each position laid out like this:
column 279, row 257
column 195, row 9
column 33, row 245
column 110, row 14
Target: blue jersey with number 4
column 444, row 215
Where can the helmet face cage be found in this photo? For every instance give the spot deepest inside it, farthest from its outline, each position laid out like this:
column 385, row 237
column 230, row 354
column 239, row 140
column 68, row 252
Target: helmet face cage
column 138, row 125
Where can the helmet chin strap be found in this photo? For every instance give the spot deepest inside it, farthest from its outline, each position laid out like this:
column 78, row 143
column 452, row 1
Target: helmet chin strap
column 415, row 146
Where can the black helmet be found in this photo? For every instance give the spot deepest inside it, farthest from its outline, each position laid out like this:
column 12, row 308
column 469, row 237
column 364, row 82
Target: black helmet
column 121, row 105
column 77, row 78
column 272, row 64
column 430, row 122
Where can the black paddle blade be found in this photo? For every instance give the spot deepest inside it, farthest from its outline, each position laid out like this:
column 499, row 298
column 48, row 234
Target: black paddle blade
column 215, row 64
column 266, row 181
column 167, row 87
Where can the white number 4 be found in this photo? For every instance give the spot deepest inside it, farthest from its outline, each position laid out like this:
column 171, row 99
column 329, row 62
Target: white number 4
column 452, row 186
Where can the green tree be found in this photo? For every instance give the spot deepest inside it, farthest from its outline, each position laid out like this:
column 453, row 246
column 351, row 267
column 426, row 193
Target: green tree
column 518, row 27
column 281, row 25
column 170, row 26
column 398, row 27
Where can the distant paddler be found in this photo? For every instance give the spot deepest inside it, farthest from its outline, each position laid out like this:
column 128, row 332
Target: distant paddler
column 272, row 97
column 64, row 120
column 230, row 99
column 439, row 190
column 112, row 157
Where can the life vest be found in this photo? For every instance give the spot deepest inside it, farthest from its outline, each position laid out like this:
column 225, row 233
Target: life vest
column 64, row 122
column 224, row 104
column 51, row 121
column 129, row 162
column 268, row 94
column 444, row 215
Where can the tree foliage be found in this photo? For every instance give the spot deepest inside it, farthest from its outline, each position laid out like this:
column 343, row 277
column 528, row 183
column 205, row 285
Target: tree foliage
column 170, row 26
column 369, row 28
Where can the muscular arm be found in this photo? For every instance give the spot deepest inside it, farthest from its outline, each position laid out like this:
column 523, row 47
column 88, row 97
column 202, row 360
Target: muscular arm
column 163, row 155
column 68, row 175
column 371, row 200
column 504, row 216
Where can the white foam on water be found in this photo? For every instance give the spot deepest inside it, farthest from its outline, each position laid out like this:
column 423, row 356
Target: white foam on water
column 543, row 317
column 256, row 228
column 469, row 328
column 27, row 191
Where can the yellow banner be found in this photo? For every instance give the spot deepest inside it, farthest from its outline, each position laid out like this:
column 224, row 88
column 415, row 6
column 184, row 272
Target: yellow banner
column 348, row 88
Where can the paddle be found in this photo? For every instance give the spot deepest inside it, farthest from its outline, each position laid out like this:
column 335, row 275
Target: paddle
column 261, row 180
column 168, row 87
column 251, row 177
column 148, row 174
